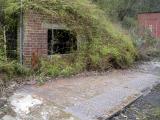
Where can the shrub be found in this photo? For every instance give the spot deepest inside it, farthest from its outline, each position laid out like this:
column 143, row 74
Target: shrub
column 129, row 22
column 56, row 66
column 146, row 44
column 13, row 68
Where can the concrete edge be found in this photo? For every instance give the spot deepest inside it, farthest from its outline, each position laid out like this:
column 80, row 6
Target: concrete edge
column 121, row 108
column 142, row 93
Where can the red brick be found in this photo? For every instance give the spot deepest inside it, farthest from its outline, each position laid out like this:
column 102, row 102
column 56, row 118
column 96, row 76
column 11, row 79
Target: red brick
column 150, row 20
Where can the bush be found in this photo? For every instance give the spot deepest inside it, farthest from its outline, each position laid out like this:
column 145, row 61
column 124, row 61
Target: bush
column 147, row 45
column 129, row 22
column 56, row 66
column 2, row 57
column 13, row 69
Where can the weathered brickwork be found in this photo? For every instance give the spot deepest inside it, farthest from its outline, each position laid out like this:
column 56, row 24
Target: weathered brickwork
column 150, row 21
column 35, row 35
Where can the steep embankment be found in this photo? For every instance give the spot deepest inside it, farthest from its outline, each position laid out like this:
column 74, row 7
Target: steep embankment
column 101, row 45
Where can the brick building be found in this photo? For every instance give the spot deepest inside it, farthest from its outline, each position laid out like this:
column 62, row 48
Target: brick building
column 150, row 21
column 44, row 35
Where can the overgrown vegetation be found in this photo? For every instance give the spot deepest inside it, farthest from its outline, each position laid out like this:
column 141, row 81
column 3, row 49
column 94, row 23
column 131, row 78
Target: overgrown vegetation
column 127, row 9
column 101, row 44
column 156, row 114
column 7, row 22
column 125, row 13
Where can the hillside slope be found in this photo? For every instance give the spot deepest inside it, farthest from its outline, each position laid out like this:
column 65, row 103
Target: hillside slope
column 102, row 45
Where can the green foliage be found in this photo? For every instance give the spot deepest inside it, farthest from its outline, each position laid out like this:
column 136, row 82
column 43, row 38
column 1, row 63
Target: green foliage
column 125, row 12
column 21, row 70
column 101, row 44
column 1, row 42
column 97, row 32
column 118, row 9
column 129, row 23
column 147, row 45
column 13, row 68
column 149, row 5
column 153, row 114
column 56, row 66
column 40, row 79
column 8, row 14
column 157, row 112
column 1, row 45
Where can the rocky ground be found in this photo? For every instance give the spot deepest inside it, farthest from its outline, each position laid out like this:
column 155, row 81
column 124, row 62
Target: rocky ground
column 8, row 86
column 145, row 108
column 6, row 90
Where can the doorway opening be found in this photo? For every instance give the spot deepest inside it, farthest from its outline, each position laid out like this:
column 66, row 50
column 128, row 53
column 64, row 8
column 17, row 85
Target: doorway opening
column 11, row 43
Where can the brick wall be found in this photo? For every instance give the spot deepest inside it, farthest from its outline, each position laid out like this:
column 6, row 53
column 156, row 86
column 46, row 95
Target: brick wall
column 35, row 35
column 150, row 21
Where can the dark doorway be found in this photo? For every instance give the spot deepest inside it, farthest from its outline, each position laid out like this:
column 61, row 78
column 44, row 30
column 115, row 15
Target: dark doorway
column 11, row 43
column 61, row 42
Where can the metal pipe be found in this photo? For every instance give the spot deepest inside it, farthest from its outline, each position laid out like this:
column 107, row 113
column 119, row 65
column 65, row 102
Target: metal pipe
column 21, row 33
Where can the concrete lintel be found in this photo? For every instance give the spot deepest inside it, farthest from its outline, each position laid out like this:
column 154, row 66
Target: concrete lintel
column 54, row 26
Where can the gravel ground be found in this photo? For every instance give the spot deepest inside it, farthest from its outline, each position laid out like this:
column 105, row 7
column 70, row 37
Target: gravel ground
column 145, row 108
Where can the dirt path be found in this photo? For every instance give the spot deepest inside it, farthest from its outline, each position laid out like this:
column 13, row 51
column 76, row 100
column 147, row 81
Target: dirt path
column 84, row 97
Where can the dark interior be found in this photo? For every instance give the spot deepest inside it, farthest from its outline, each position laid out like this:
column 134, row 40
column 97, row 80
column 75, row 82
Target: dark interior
column 11, row 43
column 61, row 42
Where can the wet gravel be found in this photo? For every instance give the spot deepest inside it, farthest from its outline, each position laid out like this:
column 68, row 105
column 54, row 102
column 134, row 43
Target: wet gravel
column 145, row 108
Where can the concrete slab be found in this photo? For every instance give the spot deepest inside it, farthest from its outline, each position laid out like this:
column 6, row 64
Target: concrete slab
column 104, row 105
column 90, row 97
column 8, row 117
